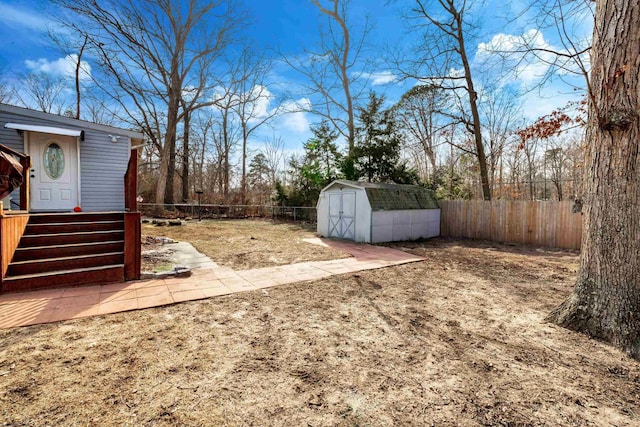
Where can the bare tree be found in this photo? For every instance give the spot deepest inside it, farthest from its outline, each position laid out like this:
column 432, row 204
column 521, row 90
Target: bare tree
column 605, row 303
column 152, row 50
column 256, row 106
column 44, row 92
column 332, row 70
column 556, row 162
column 501, row 117
column 273, row 151
column 565, row 19
column 203, row 129
column 6, row 92
column 418, row 115
column 446, row 28
column 227, row 134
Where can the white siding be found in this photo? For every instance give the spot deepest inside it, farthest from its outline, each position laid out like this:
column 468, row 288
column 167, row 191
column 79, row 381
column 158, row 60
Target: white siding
column 394, row 226
column 102, row 168
column 363, row 217
column 322, row 210
column 362, row 213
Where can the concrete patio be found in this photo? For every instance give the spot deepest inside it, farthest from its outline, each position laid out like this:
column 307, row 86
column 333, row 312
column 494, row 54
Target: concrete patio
column 29, row 308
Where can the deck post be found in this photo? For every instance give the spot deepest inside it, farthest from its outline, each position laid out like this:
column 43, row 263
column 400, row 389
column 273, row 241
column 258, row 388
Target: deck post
column 131, row 183
column 132, row 246
column 25, row 162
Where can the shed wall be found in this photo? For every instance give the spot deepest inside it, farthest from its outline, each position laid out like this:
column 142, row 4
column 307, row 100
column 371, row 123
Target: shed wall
column 322, row 215
column 393, row 226
column 362, row 213
column 102, row 163
column 363, row 217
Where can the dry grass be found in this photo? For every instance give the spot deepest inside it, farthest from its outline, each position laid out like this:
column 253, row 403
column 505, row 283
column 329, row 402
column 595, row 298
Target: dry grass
column 245, row 244
column 454, row 340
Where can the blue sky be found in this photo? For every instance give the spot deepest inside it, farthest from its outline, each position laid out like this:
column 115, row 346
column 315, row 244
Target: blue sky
column 292, row 25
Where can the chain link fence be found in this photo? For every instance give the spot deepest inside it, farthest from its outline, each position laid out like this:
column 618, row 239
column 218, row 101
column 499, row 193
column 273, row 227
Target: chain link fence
column 286, row 213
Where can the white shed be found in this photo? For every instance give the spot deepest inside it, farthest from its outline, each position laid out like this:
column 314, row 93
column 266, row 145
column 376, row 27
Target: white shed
column 375, row 213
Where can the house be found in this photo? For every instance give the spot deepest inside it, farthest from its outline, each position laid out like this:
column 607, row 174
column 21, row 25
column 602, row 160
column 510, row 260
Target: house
column 74, row 218
column 375, row 213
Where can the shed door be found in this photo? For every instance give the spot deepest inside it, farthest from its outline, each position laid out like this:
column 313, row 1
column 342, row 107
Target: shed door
column 342, row 215
column 54, row 176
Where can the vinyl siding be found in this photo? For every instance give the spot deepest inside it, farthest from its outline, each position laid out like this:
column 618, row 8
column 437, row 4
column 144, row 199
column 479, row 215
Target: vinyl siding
column 103, row 165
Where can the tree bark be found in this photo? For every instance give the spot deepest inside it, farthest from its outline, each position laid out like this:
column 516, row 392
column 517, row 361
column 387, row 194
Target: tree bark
column 475, row 114
column 605, row 302
column 186, row 153
column 243, row 183
column 169, row 142
column 169, row 192
column 78, row 66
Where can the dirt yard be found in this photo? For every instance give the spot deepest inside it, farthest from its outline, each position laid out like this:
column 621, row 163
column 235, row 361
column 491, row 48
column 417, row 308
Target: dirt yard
column 244, row 244
column 456, row 340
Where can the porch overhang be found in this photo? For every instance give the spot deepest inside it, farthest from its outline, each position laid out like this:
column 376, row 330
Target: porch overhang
column 20, row 127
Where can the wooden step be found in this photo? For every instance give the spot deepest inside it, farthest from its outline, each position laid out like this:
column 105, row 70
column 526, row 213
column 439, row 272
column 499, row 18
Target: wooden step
column 75, row 277
column 64, row 263
column 45, row 218
column 73, row 227
column 29, row 241
column 58, row 251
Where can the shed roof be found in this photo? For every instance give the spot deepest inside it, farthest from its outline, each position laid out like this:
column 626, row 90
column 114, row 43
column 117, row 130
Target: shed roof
column 392, row 197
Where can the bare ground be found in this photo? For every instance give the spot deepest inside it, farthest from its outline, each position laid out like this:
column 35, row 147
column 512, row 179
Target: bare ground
column 458, row 339
column 245, row 244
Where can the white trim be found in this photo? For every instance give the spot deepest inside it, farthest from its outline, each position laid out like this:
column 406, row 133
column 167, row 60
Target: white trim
column 44, row 129
column 78, row 145
column 344, row 183
column 68, row 121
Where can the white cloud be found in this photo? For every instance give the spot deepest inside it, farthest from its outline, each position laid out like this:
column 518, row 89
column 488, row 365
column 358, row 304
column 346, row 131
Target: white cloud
column 257, row 101
column 381, row 78
column 260, row 98
column 61, row 67
column 516, row 49
column 295, row 119
column 19, row 18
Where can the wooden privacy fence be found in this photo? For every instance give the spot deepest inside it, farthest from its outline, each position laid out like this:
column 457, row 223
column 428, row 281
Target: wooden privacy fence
column 549, row 224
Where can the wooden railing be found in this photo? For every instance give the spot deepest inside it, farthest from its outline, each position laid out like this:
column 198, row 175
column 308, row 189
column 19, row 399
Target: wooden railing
column 11, row 230
column 25, row 162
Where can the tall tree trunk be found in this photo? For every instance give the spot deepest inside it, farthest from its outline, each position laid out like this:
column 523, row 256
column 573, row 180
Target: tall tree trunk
column 605, row 302
column 186, row 153
column 475, row 114
column 78, row 67
column 243, row 183
column 225, row 157
column 168, row 153
column 169, row 192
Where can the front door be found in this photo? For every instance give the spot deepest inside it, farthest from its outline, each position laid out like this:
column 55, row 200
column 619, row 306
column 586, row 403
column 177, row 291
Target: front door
column 54, row 175
column 342, row 215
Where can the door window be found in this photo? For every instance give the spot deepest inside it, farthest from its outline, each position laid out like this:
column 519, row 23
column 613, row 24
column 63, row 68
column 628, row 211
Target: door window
column 53, row 161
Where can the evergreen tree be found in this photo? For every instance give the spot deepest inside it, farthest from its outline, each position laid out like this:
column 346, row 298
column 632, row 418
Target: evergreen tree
column 377, row 152
column 318, row 167
column 258, row 178
column 322, row 152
